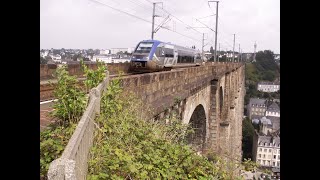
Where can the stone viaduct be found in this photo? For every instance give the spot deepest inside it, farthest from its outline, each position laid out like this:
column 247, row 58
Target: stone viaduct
column 210, row 98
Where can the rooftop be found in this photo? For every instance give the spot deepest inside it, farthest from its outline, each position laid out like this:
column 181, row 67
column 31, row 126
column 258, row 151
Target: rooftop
column 267, row 139
column 274, row 107
column 257, row 101
column 268, row 83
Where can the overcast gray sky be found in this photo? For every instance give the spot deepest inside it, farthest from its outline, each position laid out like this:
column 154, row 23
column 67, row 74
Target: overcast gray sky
column 86, row 24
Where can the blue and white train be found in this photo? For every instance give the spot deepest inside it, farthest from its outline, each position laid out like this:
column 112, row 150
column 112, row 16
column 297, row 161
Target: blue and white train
column 154, row 55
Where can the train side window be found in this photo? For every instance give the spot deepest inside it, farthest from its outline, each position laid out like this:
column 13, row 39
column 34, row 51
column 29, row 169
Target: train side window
column 168, row 52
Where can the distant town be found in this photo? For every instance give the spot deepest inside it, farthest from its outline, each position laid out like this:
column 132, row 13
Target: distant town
column 122, row 55
column 261, row 124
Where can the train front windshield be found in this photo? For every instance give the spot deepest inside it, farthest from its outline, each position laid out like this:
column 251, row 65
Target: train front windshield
column 144, row 47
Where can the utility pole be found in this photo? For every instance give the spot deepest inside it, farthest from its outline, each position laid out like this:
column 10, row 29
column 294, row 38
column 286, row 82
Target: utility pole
column 234, row 41
column 216, row 32
column 153, row 16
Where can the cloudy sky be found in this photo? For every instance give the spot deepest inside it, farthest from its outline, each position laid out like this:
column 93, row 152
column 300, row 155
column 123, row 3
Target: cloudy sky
column 88, row 24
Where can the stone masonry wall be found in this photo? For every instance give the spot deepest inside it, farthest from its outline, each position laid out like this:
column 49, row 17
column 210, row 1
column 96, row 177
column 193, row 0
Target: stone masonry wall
column 160, row 89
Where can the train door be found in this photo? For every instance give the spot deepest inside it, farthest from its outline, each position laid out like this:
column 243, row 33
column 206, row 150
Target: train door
column 175, row 56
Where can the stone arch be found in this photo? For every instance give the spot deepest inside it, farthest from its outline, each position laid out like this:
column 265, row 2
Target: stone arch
column 198, row 123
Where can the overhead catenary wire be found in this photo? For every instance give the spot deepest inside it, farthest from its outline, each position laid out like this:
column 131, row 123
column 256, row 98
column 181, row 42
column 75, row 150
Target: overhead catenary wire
column 176, row 18
column 132, row 15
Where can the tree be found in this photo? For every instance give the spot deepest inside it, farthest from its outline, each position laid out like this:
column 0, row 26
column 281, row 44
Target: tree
column 269, row 75
column 265, row 61
column 247, row 138
column 266, row 95
column 43, row 60
column 48, row 58
column 76, row 56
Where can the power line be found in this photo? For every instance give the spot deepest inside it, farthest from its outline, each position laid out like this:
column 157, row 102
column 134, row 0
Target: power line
column 141, row 19
column 176, row 18
column 206, row 16
column 121, row 11
column 206, row 25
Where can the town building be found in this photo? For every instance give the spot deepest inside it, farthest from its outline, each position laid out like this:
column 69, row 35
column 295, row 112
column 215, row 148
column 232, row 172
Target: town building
column 266, row 149
column 257, row 107
column 268, row 86
column 273, row 110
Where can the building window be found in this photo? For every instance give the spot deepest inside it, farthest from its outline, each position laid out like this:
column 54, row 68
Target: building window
column 270, row 149
column 259, row 155
column 279, row 157
column 264, row 156
column 260, row 149
column 278, row 163
column 274, row 163
column 264, row 162
column 274, row 156
column 265, row 150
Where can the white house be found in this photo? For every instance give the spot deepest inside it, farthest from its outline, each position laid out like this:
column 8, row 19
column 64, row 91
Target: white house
column 268, row 86
column 56, row 58
column 104, row 58
column 105, row 51
column 266, row 149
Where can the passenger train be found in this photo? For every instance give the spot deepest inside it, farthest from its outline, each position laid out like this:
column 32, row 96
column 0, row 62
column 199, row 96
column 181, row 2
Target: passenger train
column 154, row 55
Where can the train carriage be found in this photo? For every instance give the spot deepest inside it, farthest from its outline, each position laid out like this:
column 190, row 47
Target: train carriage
column 154, row 55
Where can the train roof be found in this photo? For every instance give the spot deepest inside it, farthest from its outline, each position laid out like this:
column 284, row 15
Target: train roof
column 180, row 47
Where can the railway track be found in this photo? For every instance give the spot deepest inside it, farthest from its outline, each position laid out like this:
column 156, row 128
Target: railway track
column 47, row 88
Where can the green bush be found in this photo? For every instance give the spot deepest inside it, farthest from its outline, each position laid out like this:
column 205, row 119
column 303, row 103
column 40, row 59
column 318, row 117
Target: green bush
column 68, row 110
column 127, row 146
column 71, row 99
column 52, row 144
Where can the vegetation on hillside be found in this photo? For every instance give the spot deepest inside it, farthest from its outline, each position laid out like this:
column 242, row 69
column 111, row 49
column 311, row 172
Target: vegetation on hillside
column 264, row 69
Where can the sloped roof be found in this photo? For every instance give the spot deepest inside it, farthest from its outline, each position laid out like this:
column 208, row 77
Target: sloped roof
column 268, row 83
column 262, row 139
column 257, row 101
column 275, row 122
column 273, row 107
